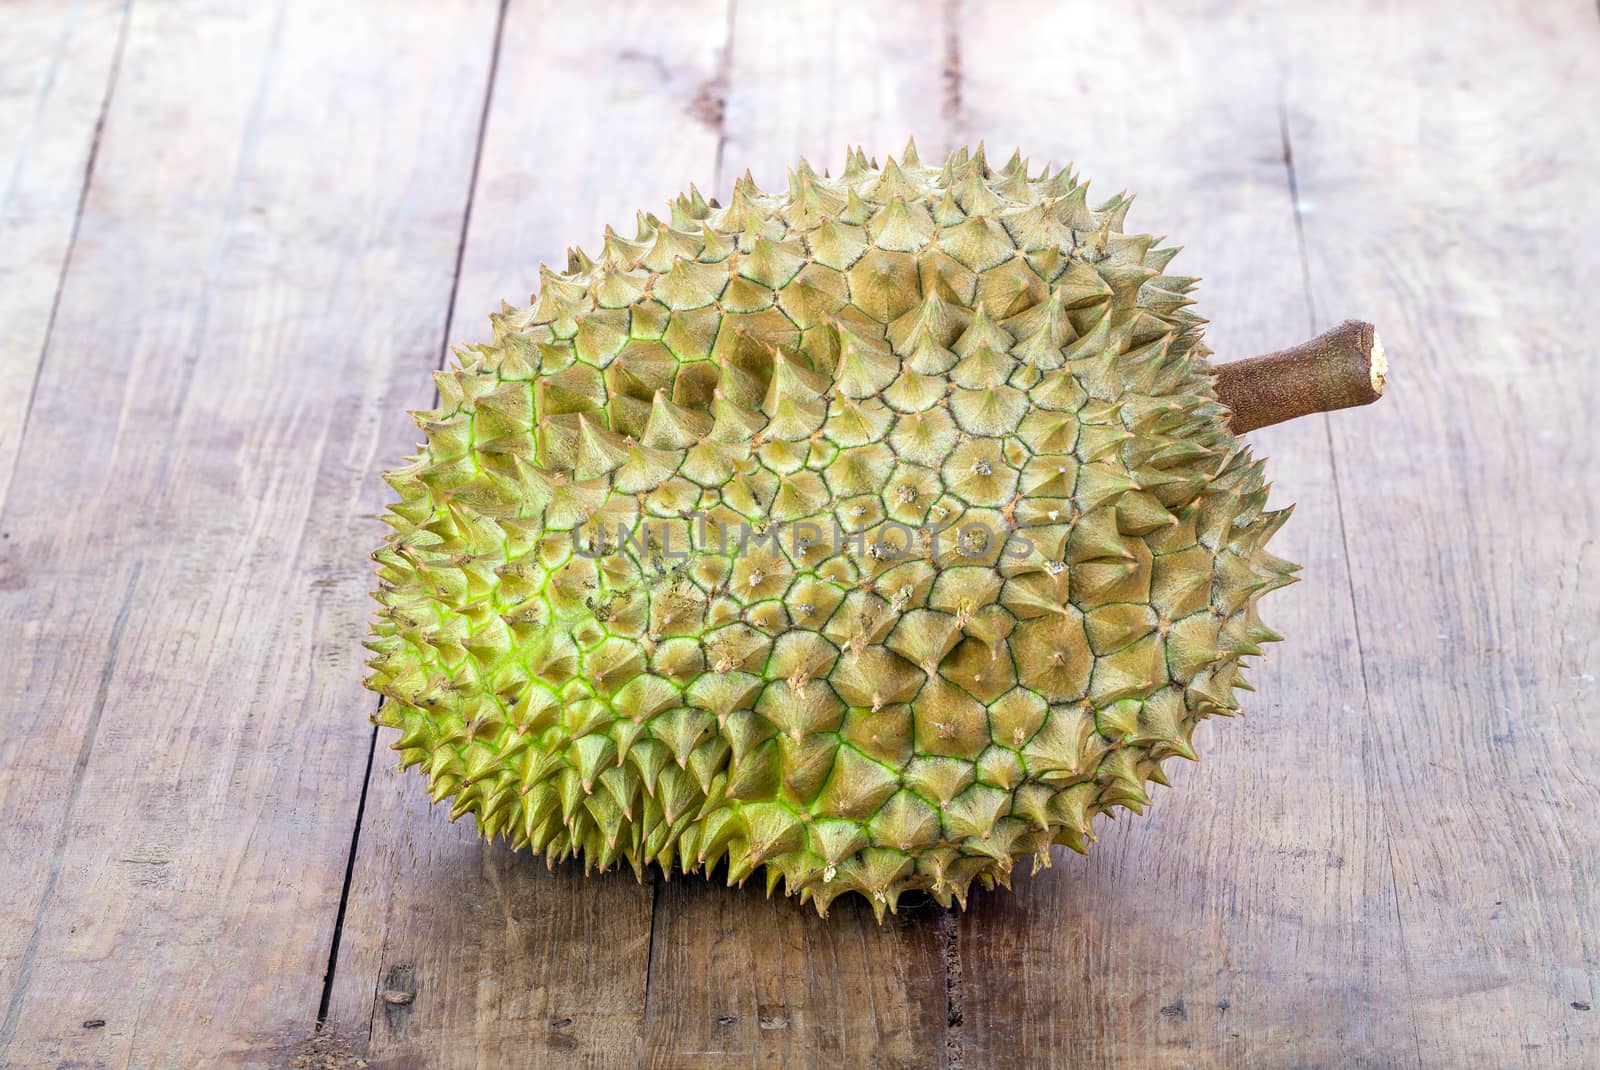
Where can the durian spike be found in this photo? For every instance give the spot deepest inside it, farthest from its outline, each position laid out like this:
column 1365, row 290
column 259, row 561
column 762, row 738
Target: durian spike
column 1337, row 369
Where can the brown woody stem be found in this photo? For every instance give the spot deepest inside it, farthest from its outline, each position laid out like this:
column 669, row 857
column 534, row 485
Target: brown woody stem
column 1335, row 370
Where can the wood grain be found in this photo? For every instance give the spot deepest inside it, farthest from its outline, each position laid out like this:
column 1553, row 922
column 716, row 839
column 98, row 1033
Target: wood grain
column 839, row 75
column 596, row 115
column 57, row 64
column 1249, row 918
column 268, row 241
column 511, row 964
column 736, row 979
column 740, row 980
column 1442, row 199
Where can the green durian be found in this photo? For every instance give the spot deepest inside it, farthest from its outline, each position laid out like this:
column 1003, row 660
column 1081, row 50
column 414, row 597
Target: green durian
column 875, row 535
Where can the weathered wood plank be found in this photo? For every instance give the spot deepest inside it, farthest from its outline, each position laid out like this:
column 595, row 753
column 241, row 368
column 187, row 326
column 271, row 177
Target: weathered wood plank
column 1249, row 918
column 740, row 980
column 596, row 114
column 592, row 117
column 735, row 979
column 1449, row 190
column 260, row 267
column 57, row 65
column 840, row 75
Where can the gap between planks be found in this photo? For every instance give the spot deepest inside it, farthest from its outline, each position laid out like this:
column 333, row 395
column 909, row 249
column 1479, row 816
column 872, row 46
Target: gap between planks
column 439, row 364
column 1293, row 189
column 58, row 849
column 72, row 238
column 8, row 1025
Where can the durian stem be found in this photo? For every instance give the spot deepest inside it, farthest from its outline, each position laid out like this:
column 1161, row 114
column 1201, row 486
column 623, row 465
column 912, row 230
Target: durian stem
column 1335, row 370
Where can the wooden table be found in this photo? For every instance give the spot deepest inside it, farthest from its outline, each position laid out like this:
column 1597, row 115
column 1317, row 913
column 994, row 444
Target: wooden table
column 236, row 238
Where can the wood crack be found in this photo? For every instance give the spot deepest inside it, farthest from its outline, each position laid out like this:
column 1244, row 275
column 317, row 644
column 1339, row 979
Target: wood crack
column 951, row 110
column 472, row 183
column 1344, row 537
column 721, row 82
column 344, row 892
column 190, row 358
column 1299, row 217
column 58, row 850
column 649, row 962
column 954, row 989
column 72, row 240
column 444, row 351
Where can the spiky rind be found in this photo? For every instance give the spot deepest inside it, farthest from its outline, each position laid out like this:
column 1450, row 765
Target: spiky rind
column 878, row 533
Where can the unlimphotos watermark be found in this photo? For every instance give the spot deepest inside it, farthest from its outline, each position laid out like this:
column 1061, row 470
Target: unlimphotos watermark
column 888, row 541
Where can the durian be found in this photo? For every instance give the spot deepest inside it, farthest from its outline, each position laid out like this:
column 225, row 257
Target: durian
column 877, row 535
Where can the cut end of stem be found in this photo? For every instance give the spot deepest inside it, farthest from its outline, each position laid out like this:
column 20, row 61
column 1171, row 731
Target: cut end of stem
column 1337, row 369
column 1380, row 365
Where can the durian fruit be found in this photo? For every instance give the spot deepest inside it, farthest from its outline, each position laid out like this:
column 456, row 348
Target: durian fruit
column 876, row 534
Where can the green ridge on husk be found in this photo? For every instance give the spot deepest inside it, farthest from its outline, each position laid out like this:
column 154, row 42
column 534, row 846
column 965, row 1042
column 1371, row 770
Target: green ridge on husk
column 642, row 599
